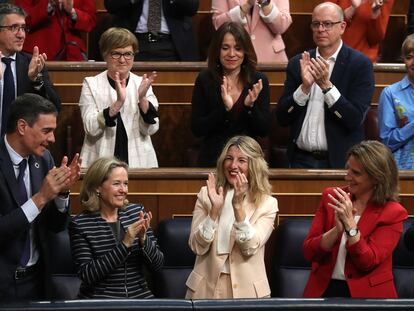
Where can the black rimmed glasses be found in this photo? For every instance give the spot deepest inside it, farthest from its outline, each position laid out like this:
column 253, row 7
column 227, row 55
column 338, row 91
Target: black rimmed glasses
column 15, row 28
column 126, row 55
column 327, row 25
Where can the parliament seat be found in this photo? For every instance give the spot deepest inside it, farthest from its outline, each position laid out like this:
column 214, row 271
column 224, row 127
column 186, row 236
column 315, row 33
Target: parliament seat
column 179, row 260
column 290, row 270
column 65, row 282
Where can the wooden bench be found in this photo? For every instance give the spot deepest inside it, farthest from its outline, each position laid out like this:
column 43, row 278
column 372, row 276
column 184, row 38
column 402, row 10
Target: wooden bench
column 173, row 88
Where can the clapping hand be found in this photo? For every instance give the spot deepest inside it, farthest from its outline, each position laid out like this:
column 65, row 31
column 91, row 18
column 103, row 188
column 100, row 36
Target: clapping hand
column 253, row 93
column 241, row 187
column 146, row 82
column 138, row 229
column 216, row 197
column 36, row 64
column 305, row 73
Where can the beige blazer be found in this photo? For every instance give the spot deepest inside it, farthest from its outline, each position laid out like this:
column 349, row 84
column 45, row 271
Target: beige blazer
column 246, row 260
column 97, row 94
column 265, row 31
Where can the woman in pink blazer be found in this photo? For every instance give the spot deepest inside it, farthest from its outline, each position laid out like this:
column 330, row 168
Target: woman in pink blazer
column 356, row 229
column 265, row 23
column 232, row 220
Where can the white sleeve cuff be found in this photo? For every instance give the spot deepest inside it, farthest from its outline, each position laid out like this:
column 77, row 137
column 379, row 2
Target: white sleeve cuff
column 62, row 204
column 332, row 96
column 272, row 15
column 235, row 15
column 30, row 210
column 300, row 97
column 207, row 229
column 244, row 230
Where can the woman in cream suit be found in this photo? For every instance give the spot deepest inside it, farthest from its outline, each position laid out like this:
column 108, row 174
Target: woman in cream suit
column 264, row 20
column 118, row 108
column 232, row 220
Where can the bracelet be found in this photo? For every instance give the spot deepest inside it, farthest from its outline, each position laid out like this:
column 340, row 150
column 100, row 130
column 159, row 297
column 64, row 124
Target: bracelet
column 263, row 3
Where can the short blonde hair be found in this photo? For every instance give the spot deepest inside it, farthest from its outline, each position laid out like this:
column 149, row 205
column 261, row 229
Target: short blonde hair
column 407, row 46
column 258, row 178
column 115, row 38
column 378, row 161
column 97, row 173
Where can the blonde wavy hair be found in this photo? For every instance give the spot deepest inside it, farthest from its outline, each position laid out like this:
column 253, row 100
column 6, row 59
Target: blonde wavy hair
column 259, row 185
column 97, row 173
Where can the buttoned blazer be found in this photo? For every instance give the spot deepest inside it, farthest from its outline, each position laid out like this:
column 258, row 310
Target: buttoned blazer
column 14, row 225
column 177, row 13
column 24, row 85
column 353, row 76
column 246, row 260
column 368, row 264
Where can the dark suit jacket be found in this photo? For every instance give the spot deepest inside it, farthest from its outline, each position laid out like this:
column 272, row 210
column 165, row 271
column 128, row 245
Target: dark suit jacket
column 353, row 76
column 24, row 85
column 368, row 265
column 14, row 225
column 177, row 14
column 210, row 120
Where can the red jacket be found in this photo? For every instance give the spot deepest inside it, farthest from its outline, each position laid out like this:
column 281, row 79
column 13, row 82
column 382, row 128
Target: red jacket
column 368, row 265
column 364, row 33
column 55, row 32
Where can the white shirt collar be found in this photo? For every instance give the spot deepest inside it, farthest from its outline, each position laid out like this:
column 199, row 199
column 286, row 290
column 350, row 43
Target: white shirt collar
column 334, row 55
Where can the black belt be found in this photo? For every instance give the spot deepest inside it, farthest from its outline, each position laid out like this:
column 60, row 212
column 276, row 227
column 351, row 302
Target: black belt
column 153, row 37
column 23, row 272
column 317, row 154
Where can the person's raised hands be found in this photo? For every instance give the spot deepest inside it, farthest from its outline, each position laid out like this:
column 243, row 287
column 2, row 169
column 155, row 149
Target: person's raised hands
column 36, row 63
column 216, row 196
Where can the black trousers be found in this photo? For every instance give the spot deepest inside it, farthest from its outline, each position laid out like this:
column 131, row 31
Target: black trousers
column 28, row 288
column 162, row 50
column 337, row 288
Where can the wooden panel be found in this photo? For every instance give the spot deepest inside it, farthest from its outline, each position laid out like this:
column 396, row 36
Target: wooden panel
column 174, row 143
column 172, row 192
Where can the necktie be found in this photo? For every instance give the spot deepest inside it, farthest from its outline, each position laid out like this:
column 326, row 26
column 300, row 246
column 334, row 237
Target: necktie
column 9, row 93
column 24, row 259
column 154, row 16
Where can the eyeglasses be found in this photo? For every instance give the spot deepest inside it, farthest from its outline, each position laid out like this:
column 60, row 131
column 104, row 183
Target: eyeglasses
column 126, row 55
column 15, row 28
column 325, row 25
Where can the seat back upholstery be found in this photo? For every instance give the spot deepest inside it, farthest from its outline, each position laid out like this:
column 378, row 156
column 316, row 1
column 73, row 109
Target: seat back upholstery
column 173, row 235
column 65, row 282
column 290, row 270
column 403, row 266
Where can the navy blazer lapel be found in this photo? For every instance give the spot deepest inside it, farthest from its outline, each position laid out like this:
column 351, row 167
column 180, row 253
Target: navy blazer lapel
column 22, row 78
column 340, row 66
column 6, row 166
column 36, row 175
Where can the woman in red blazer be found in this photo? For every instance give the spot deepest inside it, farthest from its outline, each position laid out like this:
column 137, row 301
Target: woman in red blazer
column 356, row 228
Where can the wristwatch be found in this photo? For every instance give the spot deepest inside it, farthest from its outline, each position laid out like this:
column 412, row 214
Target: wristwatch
column 324, row 91
column 352, row 232
column 263, row 3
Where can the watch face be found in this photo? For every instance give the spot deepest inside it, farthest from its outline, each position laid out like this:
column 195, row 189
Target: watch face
column 352, row 232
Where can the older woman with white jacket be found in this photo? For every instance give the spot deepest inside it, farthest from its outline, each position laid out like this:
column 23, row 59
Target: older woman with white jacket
column 118, row 108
